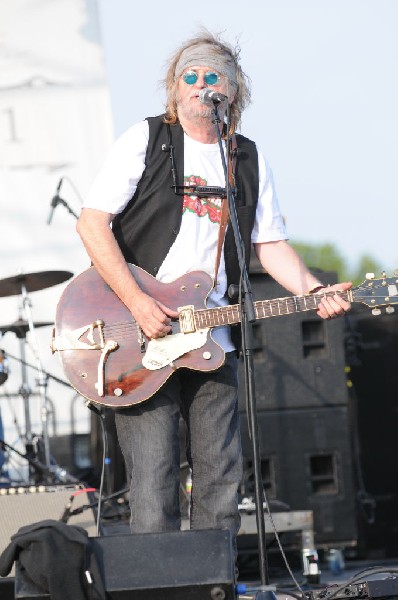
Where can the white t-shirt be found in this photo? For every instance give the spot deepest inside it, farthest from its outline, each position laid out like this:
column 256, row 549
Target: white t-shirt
column 195, row 246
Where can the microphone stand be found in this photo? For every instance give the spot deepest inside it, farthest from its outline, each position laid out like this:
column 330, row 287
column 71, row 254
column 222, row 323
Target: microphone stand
column 50, row 474
column 66, row 205
column 58, row 200
column 248, row 316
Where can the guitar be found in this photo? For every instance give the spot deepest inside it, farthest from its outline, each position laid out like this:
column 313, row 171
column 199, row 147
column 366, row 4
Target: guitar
column 108, row 359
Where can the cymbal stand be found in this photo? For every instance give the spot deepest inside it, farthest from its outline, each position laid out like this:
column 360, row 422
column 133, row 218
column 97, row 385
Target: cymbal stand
column 25, row 392
column 42, row 381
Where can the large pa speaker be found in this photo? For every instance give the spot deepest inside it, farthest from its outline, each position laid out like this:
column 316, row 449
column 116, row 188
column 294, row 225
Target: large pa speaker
column 188, row 565
column 306, row 463
column 374, row 374
column 298, row 358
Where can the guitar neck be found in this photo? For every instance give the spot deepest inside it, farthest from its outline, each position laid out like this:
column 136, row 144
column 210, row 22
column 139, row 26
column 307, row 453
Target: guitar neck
column 231, row 314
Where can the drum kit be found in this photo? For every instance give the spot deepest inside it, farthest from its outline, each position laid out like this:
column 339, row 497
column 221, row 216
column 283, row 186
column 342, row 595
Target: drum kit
column 42, row 468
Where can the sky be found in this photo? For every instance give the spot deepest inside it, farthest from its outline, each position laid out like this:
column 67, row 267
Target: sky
column 324, row 102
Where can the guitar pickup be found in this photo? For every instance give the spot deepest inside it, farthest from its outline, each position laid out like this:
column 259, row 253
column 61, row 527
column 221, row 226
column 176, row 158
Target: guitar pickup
column 141, row 340
column 186, row 318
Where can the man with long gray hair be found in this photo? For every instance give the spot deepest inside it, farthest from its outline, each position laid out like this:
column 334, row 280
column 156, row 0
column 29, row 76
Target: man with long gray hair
column 161, row 189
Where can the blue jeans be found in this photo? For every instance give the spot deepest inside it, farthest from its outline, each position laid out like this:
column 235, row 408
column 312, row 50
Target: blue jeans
column 149, row 438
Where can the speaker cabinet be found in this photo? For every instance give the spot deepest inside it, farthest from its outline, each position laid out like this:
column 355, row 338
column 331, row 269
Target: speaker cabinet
column 194, row 565
column 306, row 463
column 374, row 373
column 303, row 415
column 298, row 358
column 26, row 505
column 7, row 585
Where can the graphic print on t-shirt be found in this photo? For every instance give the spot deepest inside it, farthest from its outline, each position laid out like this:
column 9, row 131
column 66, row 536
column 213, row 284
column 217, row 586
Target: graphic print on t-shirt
column 201, row 206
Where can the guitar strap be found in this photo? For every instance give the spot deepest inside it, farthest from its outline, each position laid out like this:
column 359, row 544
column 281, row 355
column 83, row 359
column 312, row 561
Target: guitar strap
column 224, row 207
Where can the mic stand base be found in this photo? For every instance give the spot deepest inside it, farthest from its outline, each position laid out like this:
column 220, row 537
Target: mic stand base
column 265, row 595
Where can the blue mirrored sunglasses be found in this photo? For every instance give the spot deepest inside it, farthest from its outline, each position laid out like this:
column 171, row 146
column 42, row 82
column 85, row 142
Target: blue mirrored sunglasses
column 210, row 78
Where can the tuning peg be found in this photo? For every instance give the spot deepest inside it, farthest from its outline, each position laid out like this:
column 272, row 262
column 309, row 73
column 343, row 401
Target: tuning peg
column 376, row 312
column 370, row 275
column 390, row 310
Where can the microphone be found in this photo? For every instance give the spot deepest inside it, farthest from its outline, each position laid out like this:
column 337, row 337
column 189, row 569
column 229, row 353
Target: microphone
column 54, row 202
column 207, row 96
column 60, row 475
column 68, row 512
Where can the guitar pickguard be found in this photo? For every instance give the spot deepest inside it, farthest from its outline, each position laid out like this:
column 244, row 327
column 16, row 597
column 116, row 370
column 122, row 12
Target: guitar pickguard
column 163, row 351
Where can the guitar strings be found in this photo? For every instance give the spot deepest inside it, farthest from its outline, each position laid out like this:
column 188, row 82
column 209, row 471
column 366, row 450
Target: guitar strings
column 226, row 315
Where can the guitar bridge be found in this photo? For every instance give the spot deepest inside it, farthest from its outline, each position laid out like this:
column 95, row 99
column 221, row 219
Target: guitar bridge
column 186, row 318
column 70, row 340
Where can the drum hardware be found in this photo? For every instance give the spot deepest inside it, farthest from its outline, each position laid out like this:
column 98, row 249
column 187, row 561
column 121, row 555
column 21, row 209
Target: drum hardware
column 21, row 327
column 17, row 394
column 30, row 366
column 44, row 473
column 20, row 285
column 32, row 282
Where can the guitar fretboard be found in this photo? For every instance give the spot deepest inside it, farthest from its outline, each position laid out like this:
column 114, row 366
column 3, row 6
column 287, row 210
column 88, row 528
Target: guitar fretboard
column 231, row 314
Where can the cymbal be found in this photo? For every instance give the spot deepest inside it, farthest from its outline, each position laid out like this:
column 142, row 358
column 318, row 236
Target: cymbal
column 21, row 327
column 33, row 282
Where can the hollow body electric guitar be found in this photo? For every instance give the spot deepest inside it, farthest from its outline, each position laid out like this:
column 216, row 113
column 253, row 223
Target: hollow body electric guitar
column 108, row 359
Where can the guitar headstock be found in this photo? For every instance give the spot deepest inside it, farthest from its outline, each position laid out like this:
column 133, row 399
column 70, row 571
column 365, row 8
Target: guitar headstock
column 378, row 292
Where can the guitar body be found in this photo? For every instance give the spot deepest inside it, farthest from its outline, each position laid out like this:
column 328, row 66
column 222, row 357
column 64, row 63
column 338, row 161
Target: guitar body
column 126, row 381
